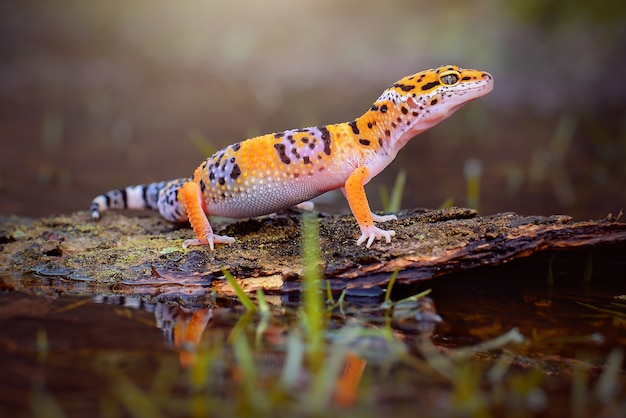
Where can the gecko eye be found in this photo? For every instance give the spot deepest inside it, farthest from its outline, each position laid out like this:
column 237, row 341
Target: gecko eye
column 449, row 78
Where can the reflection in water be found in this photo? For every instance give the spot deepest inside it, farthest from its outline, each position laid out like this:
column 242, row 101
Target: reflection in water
column 62, row 346
column 183, row 329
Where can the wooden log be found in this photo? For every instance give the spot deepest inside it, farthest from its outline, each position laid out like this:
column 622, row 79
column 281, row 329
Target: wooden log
column 143, row 255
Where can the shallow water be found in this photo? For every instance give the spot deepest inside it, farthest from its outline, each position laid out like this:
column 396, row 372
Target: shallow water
column 69, row 352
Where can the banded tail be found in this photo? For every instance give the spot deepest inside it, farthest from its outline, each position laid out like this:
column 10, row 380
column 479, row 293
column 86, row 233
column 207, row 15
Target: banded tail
column 161, row 196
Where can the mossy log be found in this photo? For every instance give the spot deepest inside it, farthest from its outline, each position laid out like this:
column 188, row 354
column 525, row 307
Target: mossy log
column 142, row 255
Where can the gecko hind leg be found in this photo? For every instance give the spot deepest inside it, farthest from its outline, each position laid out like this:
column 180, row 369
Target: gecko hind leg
column 191, row 197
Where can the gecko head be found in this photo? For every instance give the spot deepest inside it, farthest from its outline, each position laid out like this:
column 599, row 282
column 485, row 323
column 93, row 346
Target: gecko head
column 420, row 101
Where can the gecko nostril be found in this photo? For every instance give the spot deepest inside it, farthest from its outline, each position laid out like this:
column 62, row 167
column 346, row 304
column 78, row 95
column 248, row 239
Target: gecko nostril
column 487, row 76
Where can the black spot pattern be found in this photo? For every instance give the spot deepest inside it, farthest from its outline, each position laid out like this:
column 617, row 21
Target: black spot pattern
column 355, row 128
column 404, row 87
column 280, row 148
column 236, row 172
column 430, row 85
column 326, row 138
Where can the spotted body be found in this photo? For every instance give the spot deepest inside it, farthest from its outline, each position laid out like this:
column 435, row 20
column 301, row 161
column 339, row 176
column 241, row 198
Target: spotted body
column 276, row 171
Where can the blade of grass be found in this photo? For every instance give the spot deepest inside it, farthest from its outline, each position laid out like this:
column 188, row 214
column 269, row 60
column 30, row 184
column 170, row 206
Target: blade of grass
column 264, row 307
column 384, row 198
column 313, row 309
column 329, row 294
column 245, row 362
column 511, row 336
column 473, row 171
column 201, row 142
column 392, row 280
column 135, row 401
column 608, row 385
column 43, row 346
column 264, row 311
column 324, row 380
column 241, row 295
column 550, row 279
column 449, row 202
column 395, row 201
column 580, row 393
column 292, row 369
column 43, row 404
column 603, row 310
column 240, row 326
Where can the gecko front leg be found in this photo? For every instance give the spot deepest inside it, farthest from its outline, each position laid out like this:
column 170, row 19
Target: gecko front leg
column 355, row 193
column 191, row 196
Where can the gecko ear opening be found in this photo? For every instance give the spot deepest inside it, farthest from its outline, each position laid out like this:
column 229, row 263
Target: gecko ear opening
column 411, row 102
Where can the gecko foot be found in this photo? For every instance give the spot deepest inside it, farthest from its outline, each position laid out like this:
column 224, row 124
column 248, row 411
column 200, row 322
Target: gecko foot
column 370, row 233
column 383, row 218
column 210, row 240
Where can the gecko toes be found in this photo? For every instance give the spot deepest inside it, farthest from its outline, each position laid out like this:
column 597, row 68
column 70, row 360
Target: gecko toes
column 371, row 233
column 210, row 240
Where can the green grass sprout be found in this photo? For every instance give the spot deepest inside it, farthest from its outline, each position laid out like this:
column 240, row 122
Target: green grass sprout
column 43, row 403
column 265, row 313
column 138, row 403
column 294, row 357
column 312, row 312
column 608, row 386
column 43, row 346
column 448, row 203
column 246, row 364
column 201, row 142
column 393, row 203
column 387, row 303
column 550, row 278
column 473, row 171
column 513, row 336
column 241, row 295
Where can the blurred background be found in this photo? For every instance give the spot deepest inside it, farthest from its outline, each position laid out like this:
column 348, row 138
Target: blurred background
column 99, row 95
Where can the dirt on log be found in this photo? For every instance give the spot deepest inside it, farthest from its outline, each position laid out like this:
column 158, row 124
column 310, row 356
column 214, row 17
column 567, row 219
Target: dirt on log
column 127, row 254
